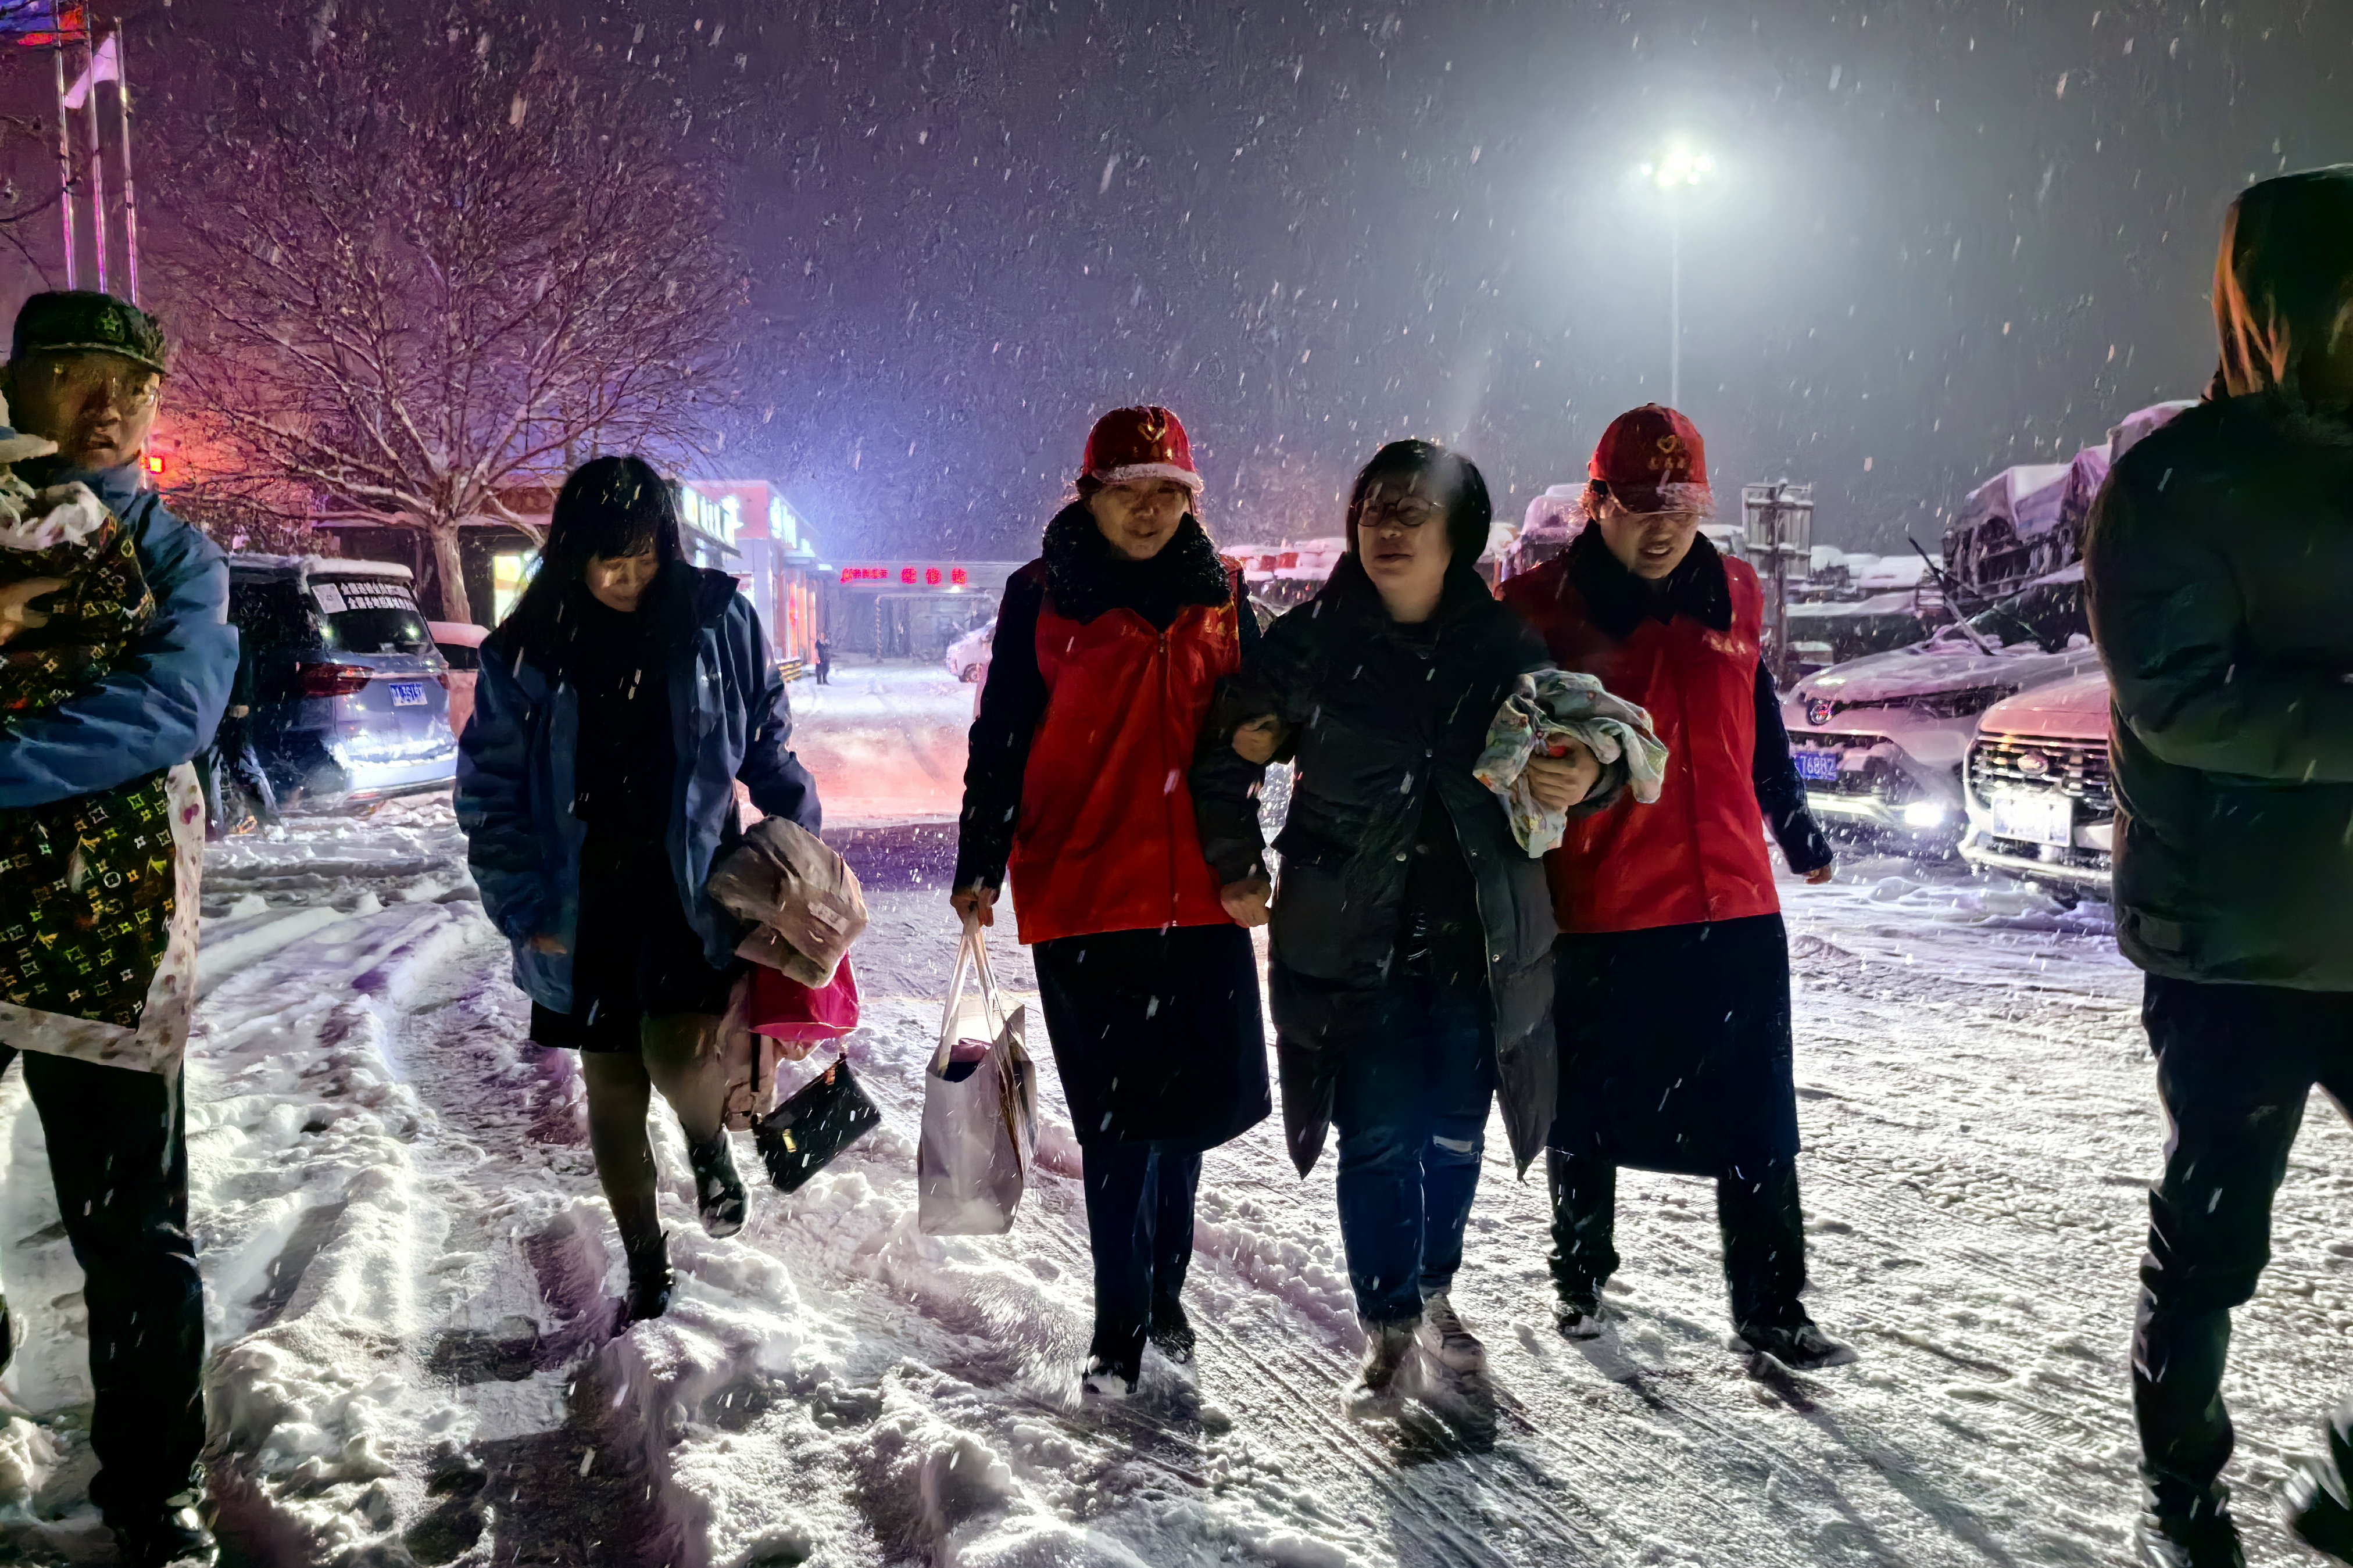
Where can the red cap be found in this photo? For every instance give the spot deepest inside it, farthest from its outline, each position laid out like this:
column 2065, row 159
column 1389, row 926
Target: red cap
column 1652, row 459
column 1148, row 443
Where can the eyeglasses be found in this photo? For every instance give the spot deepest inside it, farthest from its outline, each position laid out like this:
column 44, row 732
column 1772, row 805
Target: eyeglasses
column 82, row 377
column 1401, row 513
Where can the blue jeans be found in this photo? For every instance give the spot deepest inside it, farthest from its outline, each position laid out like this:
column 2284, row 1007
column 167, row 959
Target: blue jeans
column 1140, row 1227
column 1412, row 1109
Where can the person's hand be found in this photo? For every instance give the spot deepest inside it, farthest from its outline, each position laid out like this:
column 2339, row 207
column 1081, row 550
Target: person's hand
column 551, row 944
column 16, row 614
column 1257, row 741
column 793, row 1050
column 1245, row 901
column 1559, row 782
column 969, row 901
column 1821, row 874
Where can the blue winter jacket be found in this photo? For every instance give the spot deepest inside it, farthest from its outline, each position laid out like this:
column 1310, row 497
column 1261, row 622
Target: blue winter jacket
column 162, row 706
column 732, row 720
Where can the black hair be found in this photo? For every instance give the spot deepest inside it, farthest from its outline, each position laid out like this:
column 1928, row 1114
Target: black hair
column 610, row 507
column 1469, row 512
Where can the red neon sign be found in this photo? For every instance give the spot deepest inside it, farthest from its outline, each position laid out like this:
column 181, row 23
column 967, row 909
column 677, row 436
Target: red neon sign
column 866, row 573
column 958, row 578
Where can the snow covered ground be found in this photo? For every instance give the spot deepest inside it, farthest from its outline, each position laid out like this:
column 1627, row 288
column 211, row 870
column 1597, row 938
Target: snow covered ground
column 410, row 1277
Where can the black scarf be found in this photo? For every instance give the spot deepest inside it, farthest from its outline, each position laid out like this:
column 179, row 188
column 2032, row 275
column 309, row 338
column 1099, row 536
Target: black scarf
column 1619, row 600
column 1084, row 576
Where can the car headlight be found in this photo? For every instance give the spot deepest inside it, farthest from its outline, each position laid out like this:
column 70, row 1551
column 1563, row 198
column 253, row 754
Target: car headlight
column 1960, row 704
column 1926, row 814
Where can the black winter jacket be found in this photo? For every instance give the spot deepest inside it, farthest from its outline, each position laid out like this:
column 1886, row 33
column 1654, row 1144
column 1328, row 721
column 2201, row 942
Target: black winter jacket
column 1374, row 728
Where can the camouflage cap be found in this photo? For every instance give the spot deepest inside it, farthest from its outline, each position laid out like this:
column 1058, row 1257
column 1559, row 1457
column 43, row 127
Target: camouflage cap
column 82, row 320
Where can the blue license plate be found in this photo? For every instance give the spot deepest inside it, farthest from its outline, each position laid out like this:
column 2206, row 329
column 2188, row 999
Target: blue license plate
column 407, row 693
column 1817, row 767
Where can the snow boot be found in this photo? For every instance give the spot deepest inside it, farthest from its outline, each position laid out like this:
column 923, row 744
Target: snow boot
column 1800, row 1346
column 651, row 1280
column 1577, row 1315
column 169, row 1535
column 1172, row 1330
column 1445, row 1341
column 1389, row 1375
column 2319, row 1506
column 717, row 1190
column 2204, row 1538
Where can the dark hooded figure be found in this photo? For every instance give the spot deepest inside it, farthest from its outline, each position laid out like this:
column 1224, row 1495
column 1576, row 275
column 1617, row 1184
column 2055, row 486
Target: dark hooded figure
column 616, row 707
column 2218, row 563
column 1411, row 934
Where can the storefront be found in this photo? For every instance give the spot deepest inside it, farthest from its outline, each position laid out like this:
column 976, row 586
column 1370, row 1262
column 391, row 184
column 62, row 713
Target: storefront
column 901, row 609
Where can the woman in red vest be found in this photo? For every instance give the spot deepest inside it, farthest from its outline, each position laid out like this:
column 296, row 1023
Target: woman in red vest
column 1108, row 650
column 1672, row 972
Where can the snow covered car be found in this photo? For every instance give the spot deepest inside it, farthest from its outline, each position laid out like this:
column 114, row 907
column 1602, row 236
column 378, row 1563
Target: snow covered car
column 1880, row 740
column 350, row 696
column 968, row 655
column 460, row 643
column 2040, row 805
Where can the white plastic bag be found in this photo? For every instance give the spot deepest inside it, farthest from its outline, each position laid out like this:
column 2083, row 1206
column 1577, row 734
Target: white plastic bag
column 980, row 1108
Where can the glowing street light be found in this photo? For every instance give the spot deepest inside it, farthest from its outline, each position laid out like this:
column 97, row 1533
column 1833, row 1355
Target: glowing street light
column 1680, row 170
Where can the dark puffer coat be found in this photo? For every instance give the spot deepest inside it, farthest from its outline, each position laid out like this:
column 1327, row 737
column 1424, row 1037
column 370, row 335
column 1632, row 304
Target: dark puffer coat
column 2218, row 565
column 1374, row 728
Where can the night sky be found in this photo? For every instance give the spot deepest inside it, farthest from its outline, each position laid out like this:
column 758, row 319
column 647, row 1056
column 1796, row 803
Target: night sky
column 1946, row 236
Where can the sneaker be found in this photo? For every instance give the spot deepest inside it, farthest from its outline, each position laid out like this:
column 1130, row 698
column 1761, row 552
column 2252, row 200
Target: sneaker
column 1802, row 1347
column 2317, row 1507
column 717, row 1190
column 2206, row 1540
column 1172, row 1330
column 168, row 1536
column 1444, row 1339
column 650, row 1280
column 1577, row 1315
column 1388, row 1376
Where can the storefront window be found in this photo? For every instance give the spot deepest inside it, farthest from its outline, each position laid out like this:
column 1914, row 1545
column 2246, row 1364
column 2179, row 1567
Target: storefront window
column 510, row 571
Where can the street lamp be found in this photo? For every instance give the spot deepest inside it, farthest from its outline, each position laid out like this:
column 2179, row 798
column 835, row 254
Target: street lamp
column 1678, row 172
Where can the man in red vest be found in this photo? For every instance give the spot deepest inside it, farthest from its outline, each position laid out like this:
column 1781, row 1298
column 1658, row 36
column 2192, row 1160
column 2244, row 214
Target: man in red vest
column 1672, row 994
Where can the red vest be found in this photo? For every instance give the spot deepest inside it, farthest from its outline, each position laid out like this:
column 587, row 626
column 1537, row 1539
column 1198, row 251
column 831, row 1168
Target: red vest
column 1106, row 840
column 1697, row 853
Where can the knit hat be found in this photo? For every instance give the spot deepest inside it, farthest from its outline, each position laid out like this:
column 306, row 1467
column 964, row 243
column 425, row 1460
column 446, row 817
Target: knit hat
column 1652, row 459
column 1148, row 443
column 82, row 320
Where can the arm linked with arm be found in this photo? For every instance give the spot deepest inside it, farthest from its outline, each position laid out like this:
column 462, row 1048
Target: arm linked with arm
column 2172, row 627
column 1225, row 786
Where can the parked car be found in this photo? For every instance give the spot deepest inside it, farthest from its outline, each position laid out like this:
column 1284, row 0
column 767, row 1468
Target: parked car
column 2040, row 804
column 350, row 696
column 1880, row 740
column 460, row 643
column 968, row 655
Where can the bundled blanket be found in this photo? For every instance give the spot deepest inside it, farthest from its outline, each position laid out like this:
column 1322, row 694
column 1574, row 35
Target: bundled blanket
column 802, row 898
column 1551, row 707
column 88, row 886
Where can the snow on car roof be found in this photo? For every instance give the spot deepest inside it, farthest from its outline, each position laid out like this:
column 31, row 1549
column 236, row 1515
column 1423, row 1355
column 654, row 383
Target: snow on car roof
column 255, row 564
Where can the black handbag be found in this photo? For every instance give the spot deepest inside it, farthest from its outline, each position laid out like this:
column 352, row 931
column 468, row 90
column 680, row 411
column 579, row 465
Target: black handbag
column 829, row 1114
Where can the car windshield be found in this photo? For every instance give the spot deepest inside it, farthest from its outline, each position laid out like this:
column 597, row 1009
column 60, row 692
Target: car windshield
column 2047, row 615
column 370, row 615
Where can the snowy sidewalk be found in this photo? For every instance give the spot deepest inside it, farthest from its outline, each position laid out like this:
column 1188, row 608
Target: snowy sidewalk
column 409, row 1276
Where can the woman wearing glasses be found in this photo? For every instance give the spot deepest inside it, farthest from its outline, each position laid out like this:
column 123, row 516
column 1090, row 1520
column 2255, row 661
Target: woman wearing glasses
column 1411, row 936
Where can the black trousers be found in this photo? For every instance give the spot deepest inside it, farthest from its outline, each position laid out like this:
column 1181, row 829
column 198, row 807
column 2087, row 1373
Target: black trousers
column 1757, row 1210
column 1140, row 1228
column 118, row 1156
column 2235, row 1065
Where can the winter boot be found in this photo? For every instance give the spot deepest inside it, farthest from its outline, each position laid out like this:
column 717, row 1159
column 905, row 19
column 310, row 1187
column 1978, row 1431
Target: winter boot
column 1577, row 1315
column 1114, row 1365
column 1388, row 1376
column 2204, row 1538
column 651, row 1280
column 717, row 1190
column 1172, row 1330
column 1445, row 1341
column 2318, row 1507
column 169, row 1535
column 1800, row 1346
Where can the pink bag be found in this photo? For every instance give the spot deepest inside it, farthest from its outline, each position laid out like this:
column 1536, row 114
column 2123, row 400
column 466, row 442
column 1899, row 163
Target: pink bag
column 784, row 1009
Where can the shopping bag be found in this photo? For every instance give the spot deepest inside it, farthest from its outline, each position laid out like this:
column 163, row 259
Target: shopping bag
column 829, row 1114
column 980, row 1108
column 783, row 1008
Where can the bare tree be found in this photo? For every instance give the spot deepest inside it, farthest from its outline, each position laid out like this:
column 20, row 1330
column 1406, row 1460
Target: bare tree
column 421, row 266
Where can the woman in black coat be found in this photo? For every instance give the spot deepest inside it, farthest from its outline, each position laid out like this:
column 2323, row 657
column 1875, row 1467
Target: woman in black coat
column 1411, row 934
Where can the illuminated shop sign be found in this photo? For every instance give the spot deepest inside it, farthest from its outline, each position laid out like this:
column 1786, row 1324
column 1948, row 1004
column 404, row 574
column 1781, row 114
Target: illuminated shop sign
column 921, row 575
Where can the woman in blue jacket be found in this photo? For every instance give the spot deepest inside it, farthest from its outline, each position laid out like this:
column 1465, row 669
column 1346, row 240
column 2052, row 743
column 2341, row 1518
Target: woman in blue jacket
column 616, row 708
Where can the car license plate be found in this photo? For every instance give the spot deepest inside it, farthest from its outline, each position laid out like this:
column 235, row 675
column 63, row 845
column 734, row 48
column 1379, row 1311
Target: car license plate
column 407, row 693
column 1817, row 767
column 2034, row 818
